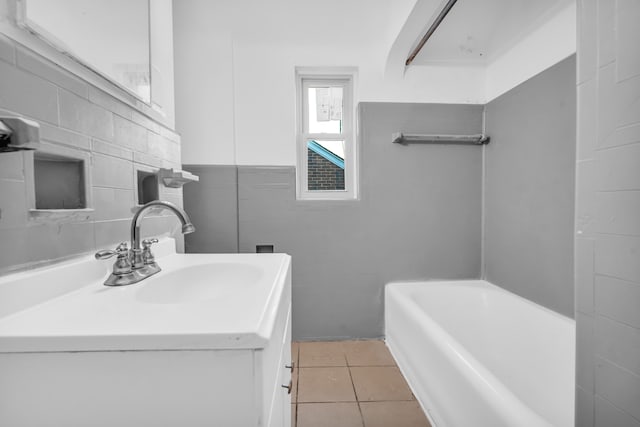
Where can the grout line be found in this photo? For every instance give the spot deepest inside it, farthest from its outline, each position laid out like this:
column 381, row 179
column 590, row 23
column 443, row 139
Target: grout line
column 618, row 191
column 613, row 147
column 355, row 393
column 294, row 421
column 358, row 401
column 602, row 233
column 630, row 282
column 613, row 319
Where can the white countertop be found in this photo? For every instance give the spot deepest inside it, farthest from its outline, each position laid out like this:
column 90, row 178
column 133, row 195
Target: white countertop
column 95, row 317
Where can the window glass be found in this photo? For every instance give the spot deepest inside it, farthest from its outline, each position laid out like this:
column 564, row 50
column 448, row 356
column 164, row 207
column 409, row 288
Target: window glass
column 324, row 109
column 325, row 165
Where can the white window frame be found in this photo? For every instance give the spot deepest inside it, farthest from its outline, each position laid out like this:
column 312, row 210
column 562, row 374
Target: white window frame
column 312, row 77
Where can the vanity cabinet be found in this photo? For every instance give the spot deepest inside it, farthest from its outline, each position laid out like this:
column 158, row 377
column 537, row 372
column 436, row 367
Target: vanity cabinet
column 238, row 383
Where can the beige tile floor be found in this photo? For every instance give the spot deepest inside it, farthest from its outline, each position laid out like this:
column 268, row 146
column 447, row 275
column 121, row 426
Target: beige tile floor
column 350, row 384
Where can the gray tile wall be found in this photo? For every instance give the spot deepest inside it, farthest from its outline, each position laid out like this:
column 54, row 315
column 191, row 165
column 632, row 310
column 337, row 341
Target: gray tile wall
column 607, row 241
column 529, row 188
column 417, row 218
column 73, row 114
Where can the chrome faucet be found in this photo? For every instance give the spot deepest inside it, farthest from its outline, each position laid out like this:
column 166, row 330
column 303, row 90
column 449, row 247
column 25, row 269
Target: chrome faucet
column 138, row 263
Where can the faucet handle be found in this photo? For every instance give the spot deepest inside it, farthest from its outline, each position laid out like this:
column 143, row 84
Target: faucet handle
column 147, row 256
column 122, row 265
column 146, row 243
column 120, row 250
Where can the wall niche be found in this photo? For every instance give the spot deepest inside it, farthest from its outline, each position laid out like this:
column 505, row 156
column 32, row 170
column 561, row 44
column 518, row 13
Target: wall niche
column 59, row 182
column 147, row 186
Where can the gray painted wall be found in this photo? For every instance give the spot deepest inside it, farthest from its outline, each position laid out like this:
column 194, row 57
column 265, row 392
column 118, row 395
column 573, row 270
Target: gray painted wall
column 417, row 218
column 529, row 188
column 212, row 204
column 607, row 242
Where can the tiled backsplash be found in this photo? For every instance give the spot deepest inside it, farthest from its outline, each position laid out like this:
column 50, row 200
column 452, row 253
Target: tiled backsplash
column 76, row 116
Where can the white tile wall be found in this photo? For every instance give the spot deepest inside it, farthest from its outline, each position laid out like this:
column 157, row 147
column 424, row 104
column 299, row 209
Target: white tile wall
column 584, row 407
column 606, row 414
column 618, row 343
column 618, row 299
column 617, row 102
column 619, row 386
column 80, row 115
column 606, row 37
column 626, row 46
column 587, row 40
column 29, row 61
column 117, row 138
column 585, row 360
column 11, row 166
column 617, row 168
column 112, row 203
column 112, row 172
column 585, row 198
column 618, row 256
column 608, row 340
column 584, row 262
column 111, row 150
column 587, row 131
column 622, row 136
column 618, row 212
column 65, row 137
column 7, row 51
column 13, row 214
column 130, row 134
column 27, row 94
column 106, row 101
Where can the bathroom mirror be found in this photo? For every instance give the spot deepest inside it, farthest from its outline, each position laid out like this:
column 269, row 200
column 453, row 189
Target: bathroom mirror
column 111, row 37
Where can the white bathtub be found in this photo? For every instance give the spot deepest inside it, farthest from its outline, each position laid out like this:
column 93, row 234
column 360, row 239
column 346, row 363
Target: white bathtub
column 477, row 355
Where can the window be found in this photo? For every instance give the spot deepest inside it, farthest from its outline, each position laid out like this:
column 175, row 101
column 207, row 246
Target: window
column 325, row 136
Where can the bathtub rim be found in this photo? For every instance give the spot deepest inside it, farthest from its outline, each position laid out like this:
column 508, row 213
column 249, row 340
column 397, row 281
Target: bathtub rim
column 459, row 355
column 482, row 283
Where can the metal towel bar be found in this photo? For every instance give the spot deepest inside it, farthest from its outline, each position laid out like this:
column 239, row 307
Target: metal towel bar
column 401, row 138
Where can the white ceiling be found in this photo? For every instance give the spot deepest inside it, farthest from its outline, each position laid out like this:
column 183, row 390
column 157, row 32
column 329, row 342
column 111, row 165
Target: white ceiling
column 477, row 31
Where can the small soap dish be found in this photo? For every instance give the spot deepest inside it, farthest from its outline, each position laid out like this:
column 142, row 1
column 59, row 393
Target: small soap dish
column 18, row 133
column 176, row 178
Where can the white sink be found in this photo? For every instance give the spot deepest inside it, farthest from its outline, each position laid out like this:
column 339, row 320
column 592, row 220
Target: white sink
column 197, row 301
column 198, row 283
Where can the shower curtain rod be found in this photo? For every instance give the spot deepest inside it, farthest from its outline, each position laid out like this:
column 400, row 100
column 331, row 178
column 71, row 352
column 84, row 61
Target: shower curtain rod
column 432, row 29
column 401, row 138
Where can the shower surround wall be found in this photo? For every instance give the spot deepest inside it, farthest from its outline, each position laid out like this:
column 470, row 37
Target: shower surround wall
column 79, row 118
column 529, row 188
column 607, row 241
column 417, row 218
